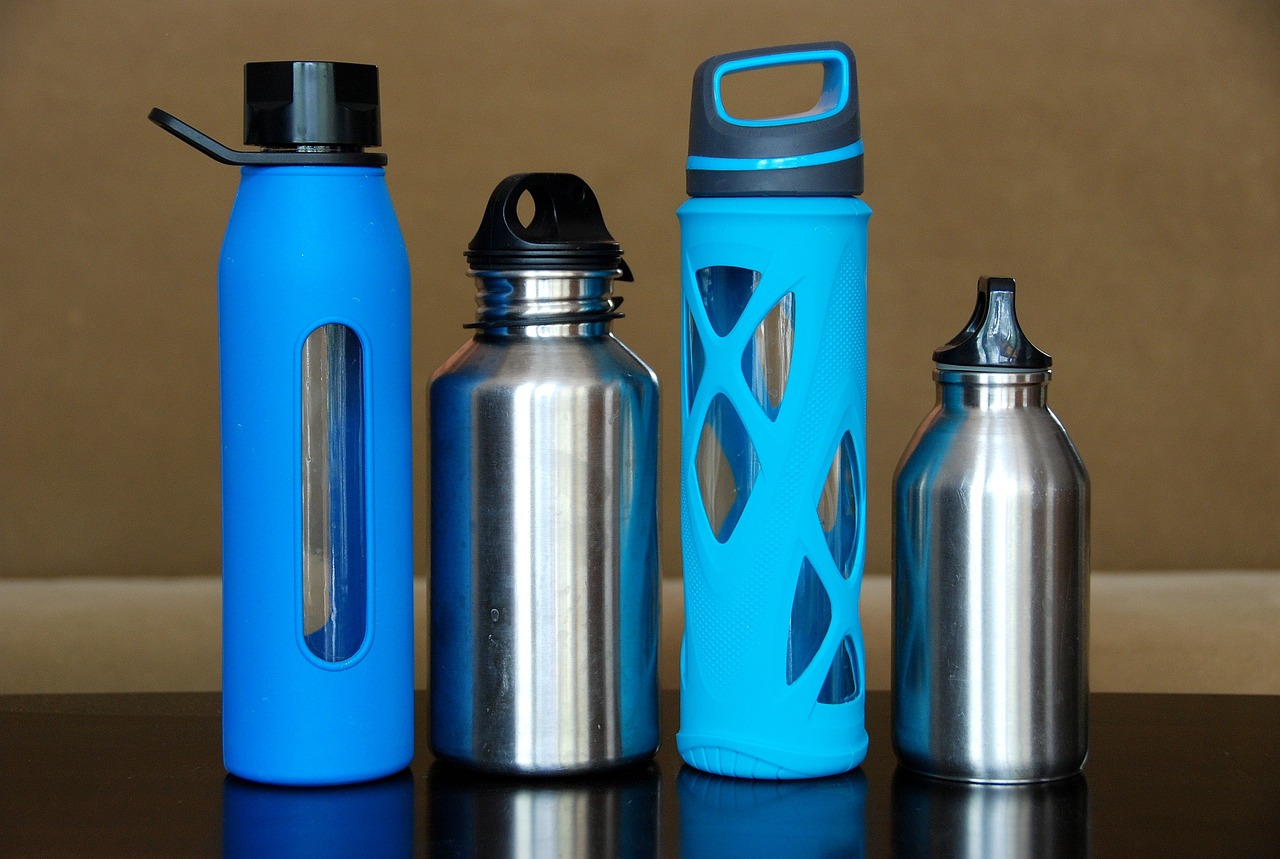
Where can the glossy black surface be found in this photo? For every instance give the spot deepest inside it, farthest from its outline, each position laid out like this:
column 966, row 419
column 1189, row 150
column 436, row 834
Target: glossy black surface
column 131, row 775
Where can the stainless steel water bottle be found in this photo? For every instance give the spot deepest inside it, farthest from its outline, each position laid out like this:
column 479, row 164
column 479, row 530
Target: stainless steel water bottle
column 317, row 514
column 544, row 457
column 773, row 454
column 991, row 567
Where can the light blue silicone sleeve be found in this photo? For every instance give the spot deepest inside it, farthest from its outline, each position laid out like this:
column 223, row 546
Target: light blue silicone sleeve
column 305, row 247
column 739, row 714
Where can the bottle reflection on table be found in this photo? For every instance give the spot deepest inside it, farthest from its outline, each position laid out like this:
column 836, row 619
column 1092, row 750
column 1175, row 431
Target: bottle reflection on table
column 612, row 814
column 938, row 818
column 737, row 817
column 372, row 819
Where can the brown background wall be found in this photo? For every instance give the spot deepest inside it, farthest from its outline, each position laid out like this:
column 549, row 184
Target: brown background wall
column 1121, row 160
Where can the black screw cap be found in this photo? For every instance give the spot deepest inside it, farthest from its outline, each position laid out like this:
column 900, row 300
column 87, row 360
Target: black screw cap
column 566, row 233
column 291, row 104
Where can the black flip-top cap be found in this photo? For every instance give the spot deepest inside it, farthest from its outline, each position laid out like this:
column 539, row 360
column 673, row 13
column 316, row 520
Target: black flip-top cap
column 817, row 153
column 566, row 233
column 290, row 104
column 993, row 339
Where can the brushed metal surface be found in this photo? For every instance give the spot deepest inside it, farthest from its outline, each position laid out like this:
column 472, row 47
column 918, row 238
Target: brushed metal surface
column 544, row 542
column 990, row 590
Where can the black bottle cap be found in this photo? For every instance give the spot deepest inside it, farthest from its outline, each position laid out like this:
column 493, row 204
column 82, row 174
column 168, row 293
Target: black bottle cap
column 566, row 233
column 817, row 153
column 993, row 339
column 291, row 104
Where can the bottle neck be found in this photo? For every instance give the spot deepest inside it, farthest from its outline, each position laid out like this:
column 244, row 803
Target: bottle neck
column 544, row 304
column 968, row 388
column 312, row 148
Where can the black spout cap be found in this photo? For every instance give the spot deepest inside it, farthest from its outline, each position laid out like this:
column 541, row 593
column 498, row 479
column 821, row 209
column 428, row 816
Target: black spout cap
column 304, row 103
column 566, row 233
column 993, row 339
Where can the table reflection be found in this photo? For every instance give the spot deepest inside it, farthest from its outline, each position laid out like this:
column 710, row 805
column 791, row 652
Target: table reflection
column 743, row 817
column 937, row 818
column 608, row 815
column 373, row 819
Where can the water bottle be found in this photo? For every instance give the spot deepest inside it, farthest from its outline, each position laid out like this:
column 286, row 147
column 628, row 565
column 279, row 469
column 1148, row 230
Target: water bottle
column 544, row 507
column 317, row 538
column 991, row 567
column 773, row 465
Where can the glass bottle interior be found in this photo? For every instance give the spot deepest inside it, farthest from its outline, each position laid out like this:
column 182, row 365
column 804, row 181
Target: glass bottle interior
column 334, row 552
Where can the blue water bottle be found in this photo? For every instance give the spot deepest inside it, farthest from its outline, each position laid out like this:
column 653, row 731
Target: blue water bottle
column 317, row 548
column 773, row 466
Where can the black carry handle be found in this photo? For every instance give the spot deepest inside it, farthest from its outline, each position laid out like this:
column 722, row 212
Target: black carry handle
column 226, row 155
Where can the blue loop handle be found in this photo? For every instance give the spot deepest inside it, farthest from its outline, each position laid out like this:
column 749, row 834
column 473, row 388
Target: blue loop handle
column 836, row 80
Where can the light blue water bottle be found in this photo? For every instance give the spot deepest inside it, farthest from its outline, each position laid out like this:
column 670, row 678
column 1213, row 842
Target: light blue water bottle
column 772, row 449
column 317, row 521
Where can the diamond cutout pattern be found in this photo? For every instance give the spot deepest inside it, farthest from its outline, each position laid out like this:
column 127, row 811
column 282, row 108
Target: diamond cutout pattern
column 841, row 684
column 695, row 359
column 727, row 467
column 725, row 291
column 837, row 506
column 810, row 619
column 766, row 362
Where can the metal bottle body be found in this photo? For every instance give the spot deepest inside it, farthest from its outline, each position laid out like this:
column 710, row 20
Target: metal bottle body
column 545, row 578
column 773, row 471
column 316, row 468
column 990, row 590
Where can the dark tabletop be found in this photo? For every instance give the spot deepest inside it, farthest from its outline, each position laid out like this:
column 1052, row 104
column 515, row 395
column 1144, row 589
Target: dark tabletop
column 141, row 774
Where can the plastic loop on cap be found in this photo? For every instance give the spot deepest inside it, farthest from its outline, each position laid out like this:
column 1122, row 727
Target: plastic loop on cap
column 814, row 153
column 303, row 114
column 835, row 85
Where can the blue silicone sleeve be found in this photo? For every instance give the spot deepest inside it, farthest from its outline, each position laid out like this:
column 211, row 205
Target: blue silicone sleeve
column 308, row 246
column 739, row 715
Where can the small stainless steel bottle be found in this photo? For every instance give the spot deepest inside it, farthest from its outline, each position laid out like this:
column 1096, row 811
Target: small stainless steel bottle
column 544, row 456
column 991, row 567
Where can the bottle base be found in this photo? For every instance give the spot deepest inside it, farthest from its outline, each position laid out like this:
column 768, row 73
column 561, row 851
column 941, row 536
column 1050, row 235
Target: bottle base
column 748, row 760
column 990, row 775
column 313, row 779
column 542, row 770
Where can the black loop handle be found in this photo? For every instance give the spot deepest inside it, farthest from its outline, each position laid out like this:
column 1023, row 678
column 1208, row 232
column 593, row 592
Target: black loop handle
column 226, row 155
